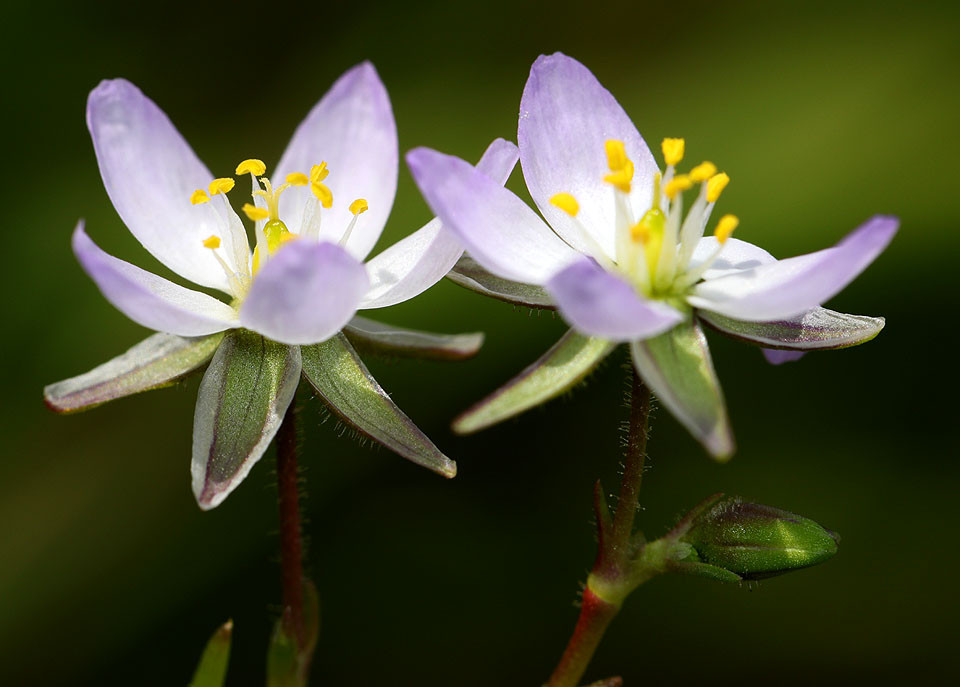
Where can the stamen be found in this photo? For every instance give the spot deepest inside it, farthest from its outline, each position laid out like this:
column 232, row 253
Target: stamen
column 212, row 242
column 323, row 193
column 715, row 186
column 254, row 213
column 566, row 202
column 295, row 179
column 319, row 172
column 672, row 150
column 199, row 196
column 616, row 155
column 725, row 227
column 359, row 206
column 702, row 172
column 222, row 185
column 621, row 178
column 253, row 166
column 678, row 184
column 236, row 281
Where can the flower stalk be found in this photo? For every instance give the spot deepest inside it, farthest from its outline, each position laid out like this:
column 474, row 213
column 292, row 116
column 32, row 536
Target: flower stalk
column 291, row 542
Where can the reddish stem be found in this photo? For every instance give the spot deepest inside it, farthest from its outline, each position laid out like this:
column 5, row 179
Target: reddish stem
column 291, row 544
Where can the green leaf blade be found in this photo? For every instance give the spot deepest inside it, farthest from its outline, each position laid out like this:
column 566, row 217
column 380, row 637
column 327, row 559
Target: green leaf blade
column 212, row 669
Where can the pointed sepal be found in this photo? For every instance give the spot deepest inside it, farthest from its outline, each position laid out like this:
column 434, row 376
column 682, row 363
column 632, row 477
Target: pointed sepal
column 243, row 397
column 289, row 655
column 816, row 329
column 561, row 368
column 343, row 382
column 212, row 669
column 376, row 337
column 469, row 274
column 678, row 369
column 157, row 361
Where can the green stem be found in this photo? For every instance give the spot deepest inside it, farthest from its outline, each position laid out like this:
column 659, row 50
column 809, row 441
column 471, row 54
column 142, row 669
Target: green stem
column 291, row 544
column 615, row 572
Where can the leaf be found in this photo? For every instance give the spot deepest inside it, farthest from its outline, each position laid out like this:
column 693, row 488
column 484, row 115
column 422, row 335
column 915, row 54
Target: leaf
column 677, row 367
column 157, row 361
column 376, row 337
column 816, row 329
column 243, row 396
column 288, row 661
column 336, row 372
column 469, row 274
column 567, row 362
column 212, row 670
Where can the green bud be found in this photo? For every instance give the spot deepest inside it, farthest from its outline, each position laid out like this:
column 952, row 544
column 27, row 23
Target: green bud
column 751, row 540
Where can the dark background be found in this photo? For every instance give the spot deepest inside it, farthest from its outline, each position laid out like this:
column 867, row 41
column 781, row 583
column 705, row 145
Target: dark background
column 822, row 113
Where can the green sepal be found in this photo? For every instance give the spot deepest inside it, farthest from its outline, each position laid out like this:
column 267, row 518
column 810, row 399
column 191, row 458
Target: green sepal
column 816, row 329
column 157, row 361
column 243, row 397
column 212, row 669
column 469, row 274
column 567, row 362
column 288, row 660
column 678, row 369
column 343, row 382
column 376, row 337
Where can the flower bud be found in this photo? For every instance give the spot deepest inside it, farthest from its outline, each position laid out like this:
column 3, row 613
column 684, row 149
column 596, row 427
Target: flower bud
column 752, row 540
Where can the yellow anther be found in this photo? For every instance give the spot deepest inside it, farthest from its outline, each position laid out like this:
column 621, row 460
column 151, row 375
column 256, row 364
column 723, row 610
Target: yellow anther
column 616, row 155
column 254, row 213
column 622, row 178
column 319, row 172
column 297, row 179
column 702, row 172
column 323, row 194
column 221, row 185
column 211, row 242
column 725, row 228
column 672, row 150
column 678, row 184
column 640, row 232
column 566, row 202
column 252, row 166
column 359, row 206
column 715, row 186
column 199, row 196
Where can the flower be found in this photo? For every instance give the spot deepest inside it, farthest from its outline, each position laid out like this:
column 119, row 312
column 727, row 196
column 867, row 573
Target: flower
column 292, row 300
column 617, row 256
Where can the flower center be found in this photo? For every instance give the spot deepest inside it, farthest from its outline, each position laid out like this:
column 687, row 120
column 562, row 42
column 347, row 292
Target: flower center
column 654, row 252
column 271, row 232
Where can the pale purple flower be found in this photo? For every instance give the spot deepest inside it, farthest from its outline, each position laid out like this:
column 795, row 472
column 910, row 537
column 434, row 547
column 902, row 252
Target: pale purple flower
column 623, row 262
column 303, row 282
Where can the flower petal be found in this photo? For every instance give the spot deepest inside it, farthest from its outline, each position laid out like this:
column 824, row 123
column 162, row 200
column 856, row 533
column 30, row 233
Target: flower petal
column 155, row 362
column 776, row 356
column 678, row 369
column 305, row 293
column 601, row 304
column 567, row 362
column 816, row 329
column 150, row 300
column 417, row 262
column 499, row 230
column 149, row 172
column 352, row 129
column 736, row 256
column 377, row 337
column 789, row 287
column 566, row 116
column 341, row 379
column 243, row 397
column 469, row 274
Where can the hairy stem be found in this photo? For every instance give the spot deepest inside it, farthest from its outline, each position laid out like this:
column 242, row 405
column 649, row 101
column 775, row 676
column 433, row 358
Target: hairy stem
column 291, row 544
column 615, row 573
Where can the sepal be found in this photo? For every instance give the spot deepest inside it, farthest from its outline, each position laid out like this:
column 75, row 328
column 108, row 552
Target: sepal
column 212, row 669
column 469, row 274
column 816, row 329
column 376, row 337
column 157, row 361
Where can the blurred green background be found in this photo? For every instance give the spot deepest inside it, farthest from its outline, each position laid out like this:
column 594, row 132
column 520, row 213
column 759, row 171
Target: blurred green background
column 823, row 113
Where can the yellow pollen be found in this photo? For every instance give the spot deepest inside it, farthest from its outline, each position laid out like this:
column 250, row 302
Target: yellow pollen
column 221, row 185
column 725, row 228
column 211, row 242
column 319, row 172
column 715, row 186
column 702, row 172
column 253, row 166
column 566, row 202
column 678, row 184
column 622, row 178
column 323, row 194
column 199, row 196
column 254, row 213
column 640, row 232
column 359, row 206
column 672, row 150
column 297, row 179
column 616, row 155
